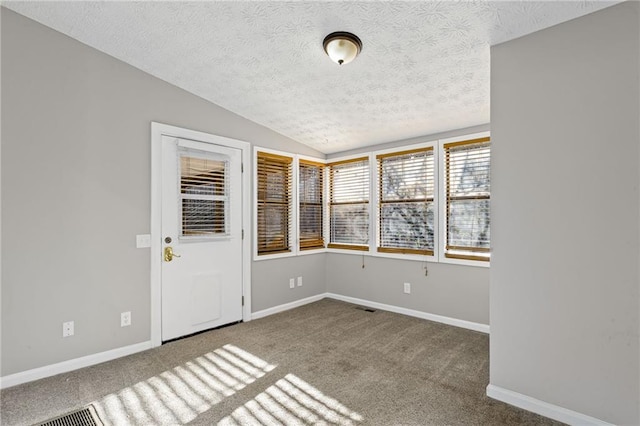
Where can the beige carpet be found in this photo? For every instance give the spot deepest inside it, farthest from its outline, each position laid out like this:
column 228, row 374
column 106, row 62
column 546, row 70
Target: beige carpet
column 323, row 363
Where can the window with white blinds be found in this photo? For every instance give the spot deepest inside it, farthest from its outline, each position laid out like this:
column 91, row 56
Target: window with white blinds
column 468, row 194
column 310, row 195
column 349, row 204
column 406, row 202
column 274, row 189
column 204, row 196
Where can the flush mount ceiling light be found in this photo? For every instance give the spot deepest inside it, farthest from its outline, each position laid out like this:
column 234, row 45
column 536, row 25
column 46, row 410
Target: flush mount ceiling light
column 342, row 47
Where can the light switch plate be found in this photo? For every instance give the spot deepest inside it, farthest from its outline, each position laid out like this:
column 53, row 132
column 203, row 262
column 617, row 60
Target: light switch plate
column 143, row 240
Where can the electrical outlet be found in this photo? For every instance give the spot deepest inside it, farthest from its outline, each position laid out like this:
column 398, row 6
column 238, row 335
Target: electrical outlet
column 125, row 319
column 292, row 283
column 299, row 281
column 67, row 329
column 407, row 288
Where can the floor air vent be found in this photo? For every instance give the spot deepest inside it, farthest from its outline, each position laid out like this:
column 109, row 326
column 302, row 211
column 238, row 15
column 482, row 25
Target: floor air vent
column 84, row 417
column 362, row 308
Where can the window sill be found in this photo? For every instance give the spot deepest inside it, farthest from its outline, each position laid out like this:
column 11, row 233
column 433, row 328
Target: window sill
column 465, row 262
column 311, row 251
column 398, row 256
column 414, row 258
column 258, row 258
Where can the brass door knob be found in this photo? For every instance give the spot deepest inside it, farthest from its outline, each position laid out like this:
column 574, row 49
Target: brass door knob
column 169, row 254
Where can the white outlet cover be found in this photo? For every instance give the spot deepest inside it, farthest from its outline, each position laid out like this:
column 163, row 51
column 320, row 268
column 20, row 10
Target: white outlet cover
column 292, row 283
column 299, row 281
column 125, row 319
column 407, row 288
column 67, row 329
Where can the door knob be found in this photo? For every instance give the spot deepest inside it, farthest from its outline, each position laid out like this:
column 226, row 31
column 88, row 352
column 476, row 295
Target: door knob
column 169, row 254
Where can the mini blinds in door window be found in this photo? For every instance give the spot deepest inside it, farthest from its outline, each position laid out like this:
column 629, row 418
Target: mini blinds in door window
column 405, row 208
column 349, row 204
column 274, row 203
column 204, row 196
column 310, row 212
column 468, row 192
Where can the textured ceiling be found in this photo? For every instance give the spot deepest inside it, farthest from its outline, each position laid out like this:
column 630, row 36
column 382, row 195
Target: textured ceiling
column 424, row 67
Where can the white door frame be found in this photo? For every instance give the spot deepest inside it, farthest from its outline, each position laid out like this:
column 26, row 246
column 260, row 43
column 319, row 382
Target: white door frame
column 158, row 130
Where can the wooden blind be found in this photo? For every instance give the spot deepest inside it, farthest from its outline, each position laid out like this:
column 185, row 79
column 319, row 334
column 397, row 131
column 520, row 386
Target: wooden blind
column 274, row 203
column 405, row 210
column 204, row 196
column 468, row 194
column 349, row 204
column 310, row 189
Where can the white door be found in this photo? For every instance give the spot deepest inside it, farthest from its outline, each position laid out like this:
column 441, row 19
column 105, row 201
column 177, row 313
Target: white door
column 201, row 278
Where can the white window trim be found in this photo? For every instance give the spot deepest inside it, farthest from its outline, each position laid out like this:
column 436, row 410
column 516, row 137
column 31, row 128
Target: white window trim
column 294, row 238
column 442, row 194
column 373, row 203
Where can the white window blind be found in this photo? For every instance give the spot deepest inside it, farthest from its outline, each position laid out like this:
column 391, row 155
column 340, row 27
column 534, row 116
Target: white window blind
column 204, row 196
column 468, row 194
column 274, row 184
column 405, row 210
column 349, row 204
column 310, row 193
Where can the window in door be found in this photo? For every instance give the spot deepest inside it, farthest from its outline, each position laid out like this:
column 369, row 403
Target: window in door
column 203, row 196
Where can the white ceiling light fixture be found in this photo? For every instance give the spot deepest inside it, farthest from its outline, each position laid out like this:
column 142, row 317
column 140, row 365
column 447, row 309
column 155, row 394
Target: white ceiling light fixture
column 342, row 47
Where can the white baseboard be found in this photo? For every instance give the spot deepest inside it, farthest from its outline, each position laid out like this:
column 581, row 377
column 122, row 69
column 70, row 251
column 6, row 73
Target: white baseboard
column 72, row 364
column 483, row 328
column 543, row 408
column 287, row 306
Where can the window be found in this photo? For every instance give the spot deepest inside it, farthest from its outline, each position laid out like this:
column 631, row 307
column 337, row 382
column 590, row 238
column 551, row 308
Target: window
column 203, row 196
column 274, row 183
column 405, row 208
column 467, row 186
column 310, row 191
column 349, row 204
column 428, row 201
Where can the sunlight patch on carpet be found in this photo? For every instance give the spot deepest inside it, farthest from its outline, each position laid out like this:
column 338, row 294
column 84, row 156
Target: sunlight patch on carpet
column 179, row 395
column 292, row 401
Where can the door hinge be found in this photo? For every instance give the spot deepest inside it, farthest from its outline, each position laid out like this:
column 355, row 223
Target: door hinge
column 242, row 300
column 241, row 167
column 243, row 234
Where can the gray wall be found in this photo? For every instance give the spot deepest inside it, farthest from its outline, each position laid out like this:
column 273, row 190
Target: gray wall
column 565, row 214
column 76, row 190
column 271, row 280
column 455, row 291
